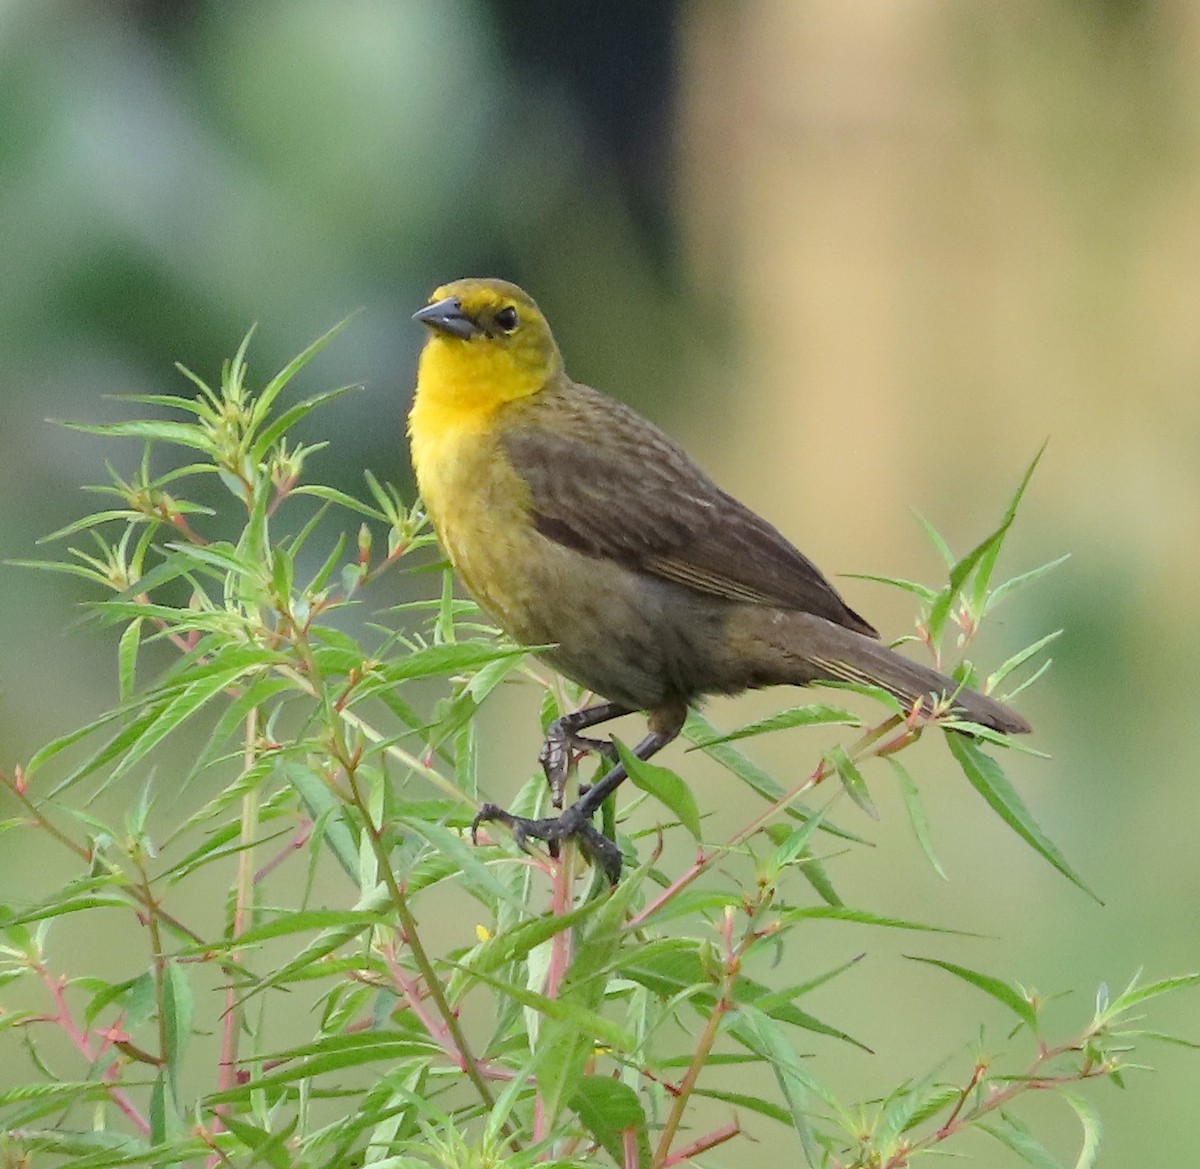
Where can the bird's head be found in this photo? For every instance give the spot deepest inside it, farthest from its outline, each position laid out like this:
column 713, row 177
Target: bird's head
column 489, row 334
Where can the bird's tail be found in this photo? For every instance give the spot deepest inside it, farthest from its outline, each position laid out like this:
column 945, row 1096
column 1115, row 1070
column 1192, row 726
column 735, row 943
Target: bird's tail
column 800, row 648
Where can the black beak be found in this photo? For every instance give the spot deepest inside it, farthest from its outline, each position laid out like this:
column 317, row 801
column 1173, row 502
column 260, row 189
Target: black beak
column 447, row 316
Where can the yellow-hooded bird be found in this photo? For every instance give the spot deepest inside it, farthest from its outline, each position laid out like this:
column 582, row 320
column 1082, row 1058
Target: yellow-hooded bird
column 577, row 523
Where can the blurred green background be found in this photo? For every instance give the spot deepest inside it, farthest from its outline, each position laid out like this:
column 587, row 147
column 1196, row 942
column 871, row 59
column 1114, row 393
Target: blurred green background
column 859, row 255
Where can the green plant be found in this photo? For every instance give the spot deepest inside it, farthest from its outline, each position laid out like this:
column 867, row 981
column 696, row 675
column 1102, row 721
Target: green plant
column 331, row 973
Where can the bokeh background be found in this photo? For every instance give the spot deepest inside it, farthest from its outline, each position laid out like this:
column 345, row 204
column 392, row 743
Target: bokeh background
column 859, row 255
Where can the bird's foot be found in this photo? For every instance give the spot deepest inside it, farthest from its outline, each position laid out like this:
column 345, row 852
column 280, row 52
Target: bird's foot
column 563, row 741
column 555, row 758
column 572, row 822
column 557, row 750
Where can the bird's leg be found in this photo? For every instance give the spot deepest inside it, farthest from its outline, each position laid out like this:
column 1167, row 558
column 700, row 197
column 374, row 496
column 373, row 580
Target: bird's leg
column 665, row 725
column 563, row 737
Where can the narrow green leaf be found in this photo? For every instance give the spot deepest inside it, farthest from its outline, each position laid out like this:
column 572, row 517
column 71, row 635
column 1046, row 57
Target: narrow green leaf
column 281, row 573
column 1030, row 680
column 466, row 759
column 186, row 703
column 1019, row 659
column 348, row 922
column 443, row 625
column 333, row 495
column 687, row 902
column 931, row 1105
column 779, row 1007
column 916, row 814
column 749, row 1103
column 665, row 966
column 350, row 926
column 232, row 720
column 91, row 575
column 178, row 433
column 1161, row 1037
column 197, row 406
column 1134, row 994
column 177, row 1009
column 1002, row 590
column 875, row 693
column 863, row 917
column 159, row 1116
column 815, row 873
column 265, row 1145
column 290, row 417
column 321, row 577
column 852, row 780
column 515, row 943
column 334, row 1053
column 763, row 1036
column 216, row 844
column 987, row 561
column 62, row 906
column 221, row 557
column 596, row 1027
column 477, row 877
column 56, row 746
column 795, row 844
column 770, row 1001
column 271, row 390
column 115, row 747
column 798, row 716
column 127, row 651
column 982, row 558
column 563, row 1053
column 697, row 727
column 440, row 660
column 986, row 777
column 1089, row 1119
column 324, row 808
column 906, row 1107
column 664, row 785
column 492, row 674
column 935, row 538
column 178, row 562
column 1011, row 1132
column 91, row 521
column 1001, row 991
column 675, row 969
column 91, row 1150
column 909, row 586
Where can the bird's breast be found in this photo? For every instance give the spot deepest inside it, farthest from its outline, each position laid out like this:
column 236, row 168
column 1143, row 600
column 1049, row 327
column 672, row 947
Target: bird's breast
column 621, row 632
column 479, row 507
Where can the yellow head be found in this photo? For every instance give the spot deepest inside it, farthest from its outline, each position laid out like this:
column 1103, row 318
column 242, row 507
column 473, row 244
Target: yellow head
column 488, row 344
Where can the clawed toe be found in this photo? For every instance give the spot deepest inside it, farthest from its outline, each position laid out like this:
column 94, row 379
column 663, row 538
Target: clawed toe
column 563, row 740
column 555, row 758
column 599, row 850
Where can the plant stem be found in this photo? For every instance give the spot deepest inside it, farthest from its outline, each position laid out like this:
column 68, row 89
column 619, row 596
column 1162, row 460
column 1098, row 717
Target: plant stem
column 231, row 1023
column 83, row 1045
column 703, row 1047
column 705, row 861
column 412, row 937
column 160, row 962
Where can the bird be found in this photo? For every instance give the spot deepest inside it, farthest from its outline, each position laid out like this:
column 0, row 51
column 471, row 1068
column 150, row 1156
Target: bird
column 582, row 528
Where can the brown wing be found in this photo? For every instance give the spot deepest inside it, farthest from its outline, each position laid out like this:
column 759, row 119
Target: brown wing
column 605, row 481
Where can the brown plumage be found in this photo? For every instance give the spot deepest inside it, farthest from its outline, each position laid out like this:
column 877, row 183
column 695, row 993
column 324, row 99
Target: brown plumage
column 577, row 523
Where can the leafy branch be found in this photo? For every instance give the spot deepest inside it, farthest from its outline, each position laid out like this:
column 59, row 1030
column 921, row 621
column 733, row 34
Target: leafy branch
column 374, row 988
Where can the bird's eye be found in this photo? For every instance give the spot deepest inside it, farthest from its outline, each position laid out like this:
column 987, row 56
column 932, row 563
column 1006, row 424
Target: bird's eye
column 506, row 318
